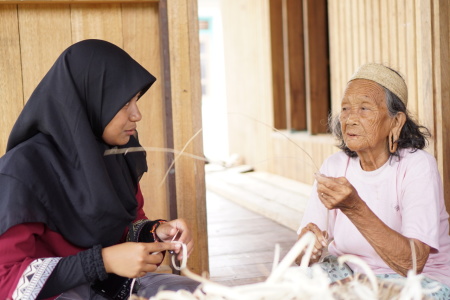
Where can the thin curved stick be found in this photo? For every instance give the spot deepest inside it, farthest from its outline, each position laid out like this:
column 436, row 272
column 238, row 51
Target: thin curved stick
column 124, row 151
column 413, row 255
column 207, row 284
column 278, row 131
column 179, row 155
column 307, row 240
column 276, row 257
column 367, row 270
column 183, row 261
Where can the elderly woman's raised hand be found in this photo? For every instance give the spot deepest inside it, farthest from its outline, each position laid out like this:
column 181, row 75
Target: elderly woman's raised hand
column 337, row 192
column 321, row 242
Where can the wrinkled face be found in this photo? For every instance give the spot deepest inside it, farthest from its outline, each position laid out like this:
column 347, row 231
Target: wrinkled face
column 365, row 121
column 123, row 125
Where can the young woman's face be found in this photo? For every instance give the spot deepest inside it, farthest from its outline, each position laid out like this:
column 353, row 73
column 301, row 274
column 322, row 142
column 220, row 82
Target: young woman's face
column 123, row 125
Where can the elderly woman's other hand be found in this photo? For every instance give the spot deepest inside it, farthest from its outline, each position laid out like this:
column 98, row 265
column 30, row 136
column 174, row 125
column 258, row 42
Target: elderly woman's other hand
column 321, row 242
column 337, row 193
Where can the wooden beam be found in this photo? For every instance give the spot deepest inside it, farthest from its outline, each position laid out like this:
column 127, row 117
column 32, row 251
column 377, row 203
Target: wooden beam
column 186, row 93
column 296, row 67
column 167, row 96
column 441, row 53
column 316, row 54
column 278, row 72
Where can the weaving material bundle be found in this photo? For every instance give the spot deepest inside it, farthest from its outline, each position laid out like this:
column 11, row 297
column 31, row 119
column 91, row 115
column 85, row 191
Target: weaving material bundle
column 287, row 282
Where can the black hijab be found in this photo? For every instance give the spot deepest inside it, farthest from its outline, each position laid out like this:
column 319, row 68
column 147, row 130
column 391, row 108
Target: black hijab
column 54, row 170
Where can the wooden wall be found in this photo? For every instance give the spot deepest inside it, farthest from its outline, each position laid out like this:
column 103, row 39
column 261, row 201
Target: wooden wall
column 248, row 82
column 411, row 36
column 163, row 37
column 248, row 66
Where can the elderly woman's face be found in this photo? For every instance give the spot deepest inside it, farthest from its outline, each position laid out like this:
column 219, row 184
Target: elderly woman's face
column 365, row 121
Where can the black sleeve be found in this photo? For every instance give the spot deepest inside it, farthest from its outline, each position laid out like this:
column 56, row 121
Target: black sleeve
column 87, row 266
column 71, row 271
column 143, row 231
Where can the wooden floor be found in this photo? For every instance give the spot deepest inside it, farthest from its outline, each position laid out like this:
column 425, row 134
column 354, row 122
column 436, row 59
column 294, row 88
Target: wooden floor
column 242, row 243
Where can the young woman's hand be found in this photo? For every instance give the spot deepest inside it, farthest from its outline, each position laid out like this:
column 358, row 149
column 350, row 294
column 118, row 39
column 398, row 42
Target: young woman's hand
column 135, row 259
column 176, row 230
column 321, row 242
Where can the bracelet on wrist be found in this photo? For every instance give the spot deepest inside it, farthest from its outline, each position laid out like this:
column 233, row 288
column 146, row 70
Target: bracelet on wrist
column 154, row 227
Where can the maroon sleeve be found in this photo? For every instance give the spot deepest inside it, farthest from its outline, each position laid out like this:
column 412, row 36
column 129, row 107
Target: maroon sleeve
column 140, row 209
column 21, row 245
column 15, row 256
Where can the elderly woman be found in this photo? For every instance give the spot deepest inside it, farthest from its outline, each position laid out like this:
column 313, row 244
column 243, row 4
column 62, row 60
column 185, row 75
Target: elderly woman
column 382, row 194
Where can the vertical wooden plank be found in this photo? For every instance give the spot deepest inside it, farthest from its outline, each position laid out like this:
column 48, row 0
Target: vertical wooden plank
column 97, row 21
column 343, row 50
column 140, row 27
column 401, row 19
column 278, row 80
column 369, row 30
column 425, row 68
column 348, row 35
column 167, row 96
column 354, row 33
column 186, row 105
column 385, row 23
column 335, row 46
column 411, row 49
column 393, row 34
column 286, row 62
column 11, row 91
column 362, row 37
column 316, row 56
column 376, row 32
column 441, row 61
column 39, row 50
column 445, row 74
column 296, row 67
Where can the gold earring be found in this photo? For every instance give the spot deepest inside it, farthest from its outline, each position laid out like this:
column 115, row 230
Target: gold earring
column 392, row 143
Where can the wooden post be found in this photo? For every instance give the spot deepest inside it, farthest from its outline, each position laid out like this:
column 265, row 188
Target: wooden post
column 186, row 117
column 441, row 46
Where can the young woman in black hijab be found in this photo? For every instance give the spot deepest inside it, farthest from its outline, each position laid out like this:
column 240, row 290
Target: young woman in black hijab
column 71, row 218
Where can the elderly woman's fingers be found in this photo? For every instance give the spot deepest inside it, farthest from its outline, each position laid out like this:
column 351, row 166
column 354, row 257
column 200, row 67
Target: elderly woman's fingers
column 320, row 238
column 326, row 186
column 330, row 183
column 336, row 192
column 319, row 244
